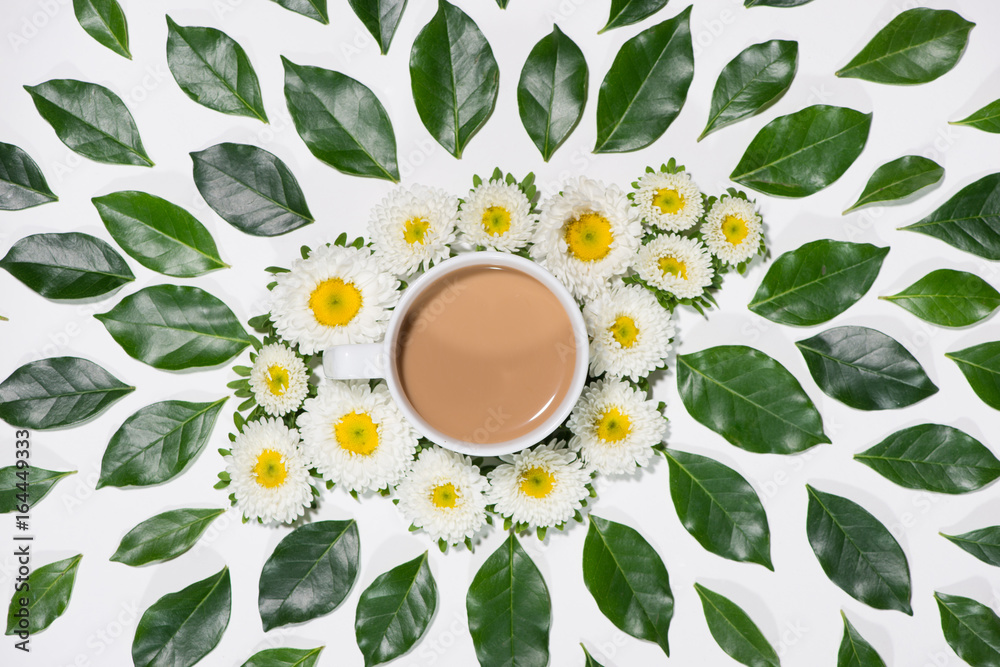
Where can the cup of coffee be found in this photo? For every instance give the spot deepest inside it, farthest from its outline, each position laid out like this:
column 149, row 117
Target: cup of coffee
column 486, row 354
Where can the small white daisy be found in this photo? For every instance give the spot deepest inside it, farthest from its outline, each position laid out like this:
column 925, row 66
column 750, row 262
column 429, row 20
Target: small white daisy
column 587, row 234
column 355, row 436
column 336, row 296
column 497, row 216
column 630, row 332
column 542, row 486
column 279, row 379
column 268, row 473
column 671, row 202
column 676, row 264
column 615, row 427
column 732, row 230
column 412, row 228
column 444, row 494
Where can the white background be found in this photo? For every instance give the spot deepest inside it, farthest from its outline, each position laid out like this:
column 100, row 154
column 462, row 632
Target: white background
column 797, row 607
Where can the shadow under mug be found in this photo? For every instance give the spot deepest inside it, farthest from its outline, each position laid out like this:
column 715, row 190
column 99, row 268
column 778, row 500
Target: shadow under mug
column 378, row 360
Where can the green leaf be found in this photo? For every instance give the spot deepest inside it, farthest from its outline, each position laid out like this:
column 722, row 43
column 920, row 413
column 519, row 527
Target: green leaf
column 60, row 391
column 91, row 120
column 646, row 86
column 164, row 536
column 857, row 552
column 981, row 366
column 970, row 220
column 628, row 581
column 105, row 21
column 628, row 12
column 40, row 481
column 67, row 266
column 174, row 328
column 818, row 281
column 800, row 154
column 341, row 121
column 986, row 119
column 47, row 599
column 932, row 457
column 855, row 651
column 22, row 183
column 381, row 17
column 182, row 628
column 285, row 657
column 552, row 91
column 158, row 234
column 394, row 612
column 719, row 508
column 949, row 298
column 590, row 662
column 251, row 189
column 735, row 631
column 749, row 399
column 865, row 369
column 917, row 46
column 509, row 610
column 971, row 629
column 454, row 77
column 310, row 572
column 156, row 443
column 775, row 3
column 314, row 9
column 213, row 70
column 898, row 179
column 984, row 544
column 751, row 82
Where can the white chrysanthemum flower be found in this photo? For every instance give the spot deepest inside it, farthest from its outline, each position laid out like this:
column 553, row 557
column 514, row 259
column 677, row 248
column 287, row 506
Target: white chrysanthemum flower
column 671, row 202
column 336, row 296
column 497, row 216
column 444, row 494
column 732, row 230
column 676, row 264
column 268, row 473
column 412, row 228
column 279, row 380
column 630, row 332
column 356, row 436
column 586, row 235
column 615, row 427
column 542, row 486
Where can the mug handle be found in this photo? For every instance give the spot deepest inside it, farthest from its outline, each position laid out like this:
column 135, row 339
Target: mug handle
column 354, row 362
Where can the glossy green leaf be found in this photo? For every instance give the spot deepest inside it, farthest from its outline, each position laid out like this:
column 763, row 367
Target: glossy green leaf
column 310, row 572
column 855, row 651
column 182, row 628
column 646, row 86
column 47, row 599
column 502, row 4
column 971, row 629
column 986, row 119
column 285, row 657
column 91, row 120
column 105, row 21
column 857, row 552
column 818, row 281
column 509, row 610
column 60, row 391
column 949, row 298
column 719, row 508
column 39, row 482
column 174, row 328
column 970, row 220
column 800, row 154
column 454, row 77
column 381, row 17
column 981, row 366
column 932, row 457
column 552, row 91
column 22, row 183
column 865, row 369
column 71, row 265
column 341, row 121
column 749, row 399
column 735, row 632
column 917, row 46
column 984, row 544
column 628, row 12
column 164, row 536
column 156, row 443
column 251, row 189
column 898, row 179
column 589, row 659
column 314, row 9
column 751, row 82
column 775, row 3
column 394, row 612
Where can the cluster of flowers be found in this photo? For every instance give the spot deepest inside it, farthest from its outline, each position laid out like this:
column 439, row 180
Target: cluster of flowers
column 630, row 259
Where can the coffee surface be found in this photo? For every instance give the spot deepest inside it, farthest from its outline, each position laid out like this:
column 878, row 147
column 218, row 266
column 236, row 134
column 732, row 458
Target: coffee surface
column 486, row 354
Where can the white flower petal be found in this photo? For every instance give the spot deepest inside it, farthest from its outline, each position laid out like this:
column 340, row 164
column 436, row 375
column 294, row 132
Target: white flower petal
column 503, row 195
column 387, row 227
column 290, row 397
column 691, row 253
column 433, row 468
column 652, row 324
column 691, row 205
column 715, row 237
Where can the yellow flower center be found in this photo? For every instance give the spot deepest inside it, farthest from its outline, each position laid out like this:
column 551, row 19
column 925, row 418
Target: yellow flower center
column 277, row 379
column 589, row 237
column 270, row 469
column 735, row 229
column 673, row 266
column 496, row 220
column 537, row 482
column 444, row 496
column 416, row 229
column 334, row 303
column 357, row 433
column 613, row 425
column 625, row 331
column 668, row 201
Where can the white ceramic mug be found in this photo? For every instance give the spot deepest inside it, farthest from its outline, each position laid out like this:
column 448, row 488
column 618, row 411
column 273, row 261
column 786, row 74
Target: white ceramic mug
column 378, row 360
